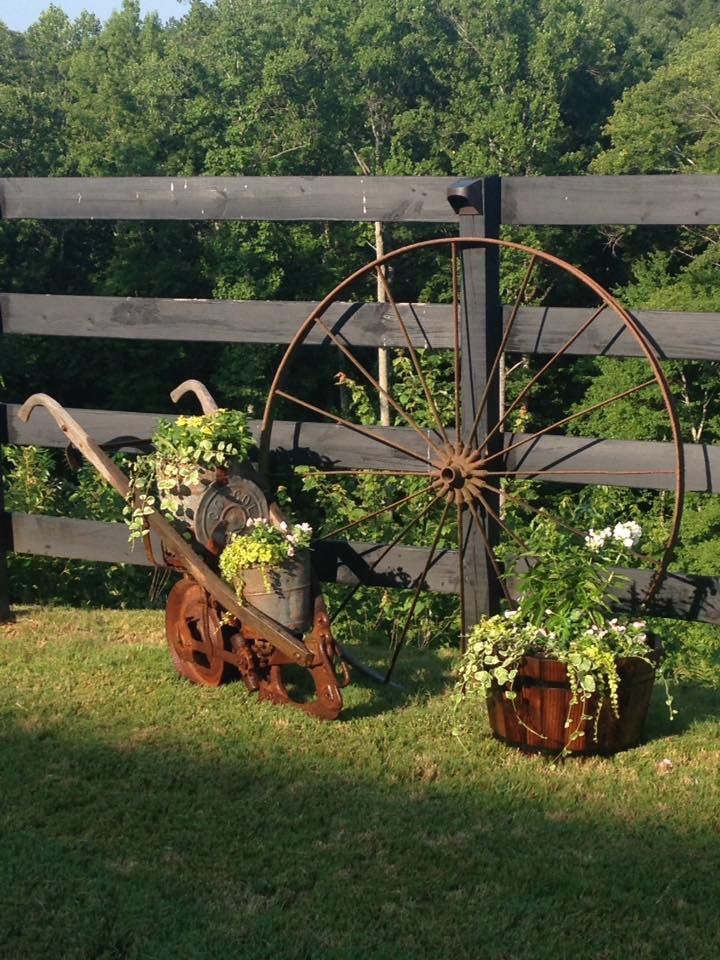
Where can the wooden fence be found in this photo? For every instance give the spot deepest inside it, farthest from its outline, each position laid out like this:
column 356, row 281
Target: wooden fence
column 480, row 207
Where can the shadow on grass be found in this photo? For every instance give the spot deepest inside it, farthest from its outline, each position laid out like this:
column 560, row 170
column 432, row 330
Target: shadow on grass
column 694, row 704
column 420, row 672
column 157, row 849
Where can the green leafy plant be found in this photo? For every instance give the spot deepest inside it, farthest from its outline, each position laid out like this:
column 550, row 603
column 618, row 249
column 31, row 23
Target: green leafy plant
column 182, row 450
column 263, row 545
column 33, row 486
column 563, row 613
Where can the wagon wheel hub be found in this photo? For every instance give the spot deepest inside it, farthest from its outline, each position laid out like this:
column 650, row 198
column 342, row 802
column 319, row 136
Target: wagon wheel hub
column 461, row 474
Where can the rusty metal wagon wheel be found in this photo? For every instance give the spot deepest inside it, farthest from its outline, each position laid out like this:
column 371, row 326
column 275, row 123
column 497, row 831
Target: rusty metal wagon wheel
column 449, row 479
column 191, row 624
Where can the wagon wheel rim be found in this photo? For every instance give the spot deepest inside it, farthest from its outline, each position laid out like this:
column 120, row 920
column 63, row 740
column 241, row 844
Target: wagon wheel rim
column 467, row 473
column 191, row 626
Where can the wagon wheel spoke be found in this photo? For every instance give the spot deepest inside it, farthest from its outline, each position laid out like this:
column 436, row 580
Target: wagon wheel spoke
column 376, row 385
column 501, row 523
column 526, row 505
column 490, row 552
column 400, row 642
column 462, row 541
column 369, row 472
column 574, row 416
column 494, row 370
column 540, row 473
column 553, row 517
column 377, row 513
column 541, row 373
column 341, row 421
column 413, row 356
column 385, row 551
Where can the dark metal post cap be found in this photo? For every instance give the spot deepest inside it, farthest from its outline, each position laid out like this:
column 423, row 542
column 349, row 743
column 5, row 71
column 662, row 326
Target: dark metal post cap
column 466, row 196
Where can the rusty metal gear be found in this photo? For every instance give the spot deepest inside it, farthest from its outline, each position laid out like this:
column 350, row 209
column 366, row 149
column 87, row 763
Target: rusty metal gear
column 194, row 635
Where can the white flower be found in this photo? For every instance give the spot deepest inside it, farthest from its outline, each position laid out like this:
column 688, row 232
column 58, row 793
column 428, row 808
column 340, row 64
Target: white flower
column 628, row 533
column 291, row 551
column 283, row 525
column 596, row 539
column 509, row 614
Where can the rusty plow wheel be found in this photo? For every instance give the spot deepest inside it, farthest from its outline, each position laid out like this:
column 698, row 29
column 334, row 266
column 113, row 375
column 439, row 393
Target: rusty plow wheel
column 463, row 463
column 194, row 635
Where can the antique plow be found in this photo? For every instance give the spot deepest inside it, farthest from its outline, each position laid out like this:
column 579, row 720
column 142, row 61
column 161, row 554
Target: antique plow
column 211, row 632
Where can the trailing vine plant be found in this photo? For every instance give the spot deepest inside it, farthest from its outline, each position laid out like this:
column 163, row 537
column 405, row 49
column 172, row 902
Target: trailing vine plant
column 182, row 450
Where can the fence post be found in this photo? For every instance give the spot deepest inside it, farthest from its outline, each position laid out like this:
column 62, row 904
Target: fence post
column 477, row 203
column 6, row 543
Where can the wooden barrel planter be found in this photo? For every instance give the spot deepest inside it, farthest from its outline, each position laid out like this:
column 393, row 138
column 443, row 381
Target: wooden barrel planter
column 535, row 720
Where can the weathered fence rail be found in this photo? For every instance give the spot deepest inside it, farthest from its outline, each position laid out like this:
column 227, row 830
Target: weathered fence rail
column 541, row 200
column 525, row 200
column 687, row 336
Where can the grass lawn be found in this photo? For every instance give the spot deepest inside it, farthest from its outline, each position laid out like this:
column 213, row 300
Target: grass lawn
column 146, row 818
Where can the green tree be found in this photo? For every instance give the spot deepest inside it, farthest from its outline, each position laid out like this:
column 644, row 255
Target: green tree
column 669, row 123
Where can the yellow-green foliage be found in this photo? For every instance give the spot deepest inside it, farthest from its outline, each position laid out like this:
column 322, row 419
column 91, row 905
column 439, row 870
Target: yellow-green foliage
column 262, row 545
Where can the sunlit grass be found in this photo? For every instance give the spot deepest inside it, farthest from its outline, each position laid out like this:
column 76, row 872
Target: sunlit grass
column 145, row 818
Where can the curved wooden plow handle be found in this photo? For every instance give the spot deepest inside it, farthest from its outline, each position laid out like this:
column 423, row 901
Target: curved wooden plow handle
column 248, row 615
column 205, row 398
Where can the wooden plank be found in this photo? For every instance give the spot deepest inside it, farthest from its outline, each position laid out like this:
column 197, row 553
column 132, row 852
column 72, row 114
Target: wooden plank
column 615, row 462
column 42, row 431
column 683, row 336
column 331, row 447
column 689, row 336
column 661, row 199
column 575, row 460
column 349, row 563
column 325, row 446
column 223, row 321
column 77, row 540
column 682, row 596
column 390, row 199
column 336, row 562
